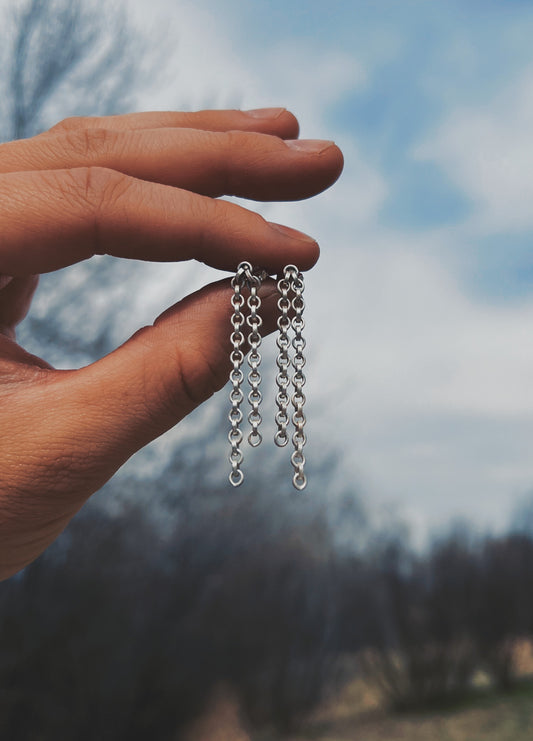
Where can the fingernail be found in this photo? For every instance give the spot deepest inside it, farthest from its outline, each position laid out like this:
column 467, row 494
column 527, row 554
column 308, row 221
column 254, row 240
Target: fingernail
column 265, row 112
column 309, row 145
column 287, row 231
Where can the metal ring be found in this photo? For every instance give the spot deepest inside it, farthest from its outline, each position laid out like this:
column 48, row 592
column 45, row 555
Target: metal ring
column 236, row 477
column 299, row 481
column 255, row 438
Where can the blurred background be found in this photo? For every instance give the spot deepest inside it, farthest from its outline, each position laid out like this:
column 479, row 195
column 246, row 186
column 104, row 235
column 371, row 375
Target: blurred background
column 394, row 598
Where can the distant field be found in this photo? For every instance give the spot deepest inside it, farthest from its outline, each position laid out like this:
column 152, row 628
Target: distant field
column 357, row 715
column 486, row 717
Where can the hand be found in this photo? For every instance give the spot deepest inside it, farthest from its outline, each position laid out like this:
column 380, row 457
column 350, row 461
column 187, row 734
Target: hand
column 140, row 186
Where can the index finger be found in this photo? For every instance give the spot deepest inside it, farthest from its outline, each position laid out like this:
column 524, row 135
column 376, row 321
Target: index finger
column 51, row 219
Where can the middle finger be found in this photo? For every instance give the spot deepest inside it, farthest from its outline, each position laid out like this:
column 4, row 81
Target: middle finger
column 246, row 164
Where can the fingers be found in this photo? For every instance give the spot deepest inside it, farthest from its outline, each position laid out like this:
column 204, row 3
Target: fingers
column 83, row 191
column 56, row 218
column 163, row 372
column 237, row 163
column 276, row 121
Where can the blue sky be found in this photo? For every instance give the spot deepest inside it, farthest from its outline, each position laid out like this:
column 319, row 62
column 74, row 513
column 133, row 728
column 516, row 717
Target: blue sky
column 427, row 259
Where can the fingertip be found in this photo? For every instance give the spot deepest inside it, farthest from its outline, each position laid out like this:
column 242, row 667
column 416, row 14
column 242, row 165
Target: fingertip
column 330, row 159
column 304, row 250
column 308, row 259
column 337, row 156
column 275, row 121
column 291, row 125
column 332, row 165
column 314, row 257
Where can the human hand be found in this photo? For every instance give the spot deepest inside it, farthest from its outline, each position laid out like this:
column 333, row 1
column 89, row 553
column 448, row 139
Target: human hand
column 140, row 186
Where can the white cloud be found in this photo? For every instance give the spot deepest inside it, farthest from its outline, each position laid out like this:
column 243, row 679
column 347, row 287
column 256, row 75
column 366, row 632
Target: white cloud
column 488, row 153
column 202, row 68
column 430, row 393
column 206, row 68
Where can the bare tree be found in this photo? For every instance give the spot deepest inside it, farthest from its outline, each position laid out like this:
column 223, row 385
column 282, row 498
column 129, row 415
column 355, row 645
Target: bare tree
column 64, row 57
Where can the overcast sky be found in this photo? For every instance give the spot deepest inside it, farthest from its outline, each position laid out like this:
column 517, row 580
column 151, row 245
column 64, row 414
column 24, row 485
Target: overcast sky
column 420, row 311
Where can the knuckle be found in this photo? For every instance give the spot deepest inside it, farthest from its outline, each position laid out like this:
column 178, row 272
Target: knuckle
column 234, row 144
column 236, row 140
column 186, row 376
column 101, row 187
column 226, row 221
column 207, row 215
column 90, row 144
column 70, row 185
column 220, row 215
column 70, row 123
column 245, row 155
column 228, row 151
column 98, row 190
column 216, row 221
column 199, row 378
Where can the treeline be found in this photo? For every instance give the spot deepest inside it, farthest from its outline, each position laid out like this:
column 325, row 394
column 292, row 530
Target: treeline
column 124, row 628
column 434, row 621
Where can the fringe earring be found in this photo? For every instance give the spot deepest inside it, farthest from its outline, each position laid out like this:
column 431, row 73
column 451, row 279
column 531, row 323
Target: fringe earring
column 290, row 358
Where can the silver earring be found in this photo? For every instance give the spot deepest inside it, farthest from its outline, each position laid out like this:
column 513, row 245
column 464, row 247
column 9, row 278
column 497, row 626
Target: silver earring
column 291, row 302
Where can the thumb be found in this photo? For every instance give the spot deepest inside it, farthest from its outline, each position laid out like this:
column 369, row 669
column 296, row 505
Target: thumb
column 69, row 431
column 164, row 371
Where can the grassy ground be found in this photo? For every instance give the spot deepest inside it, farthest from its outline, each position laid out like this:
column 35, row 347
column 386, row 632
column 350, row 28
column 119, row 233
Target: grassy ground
column 358, row 715
column 486, row 716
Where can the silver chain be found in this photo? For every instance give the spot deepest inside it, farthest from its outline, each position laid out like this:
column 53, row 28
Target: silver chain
column 254, row 321
column 299, row 439
column 291, row 302
column 236, row 476
column 283, row 362
column 245, row 277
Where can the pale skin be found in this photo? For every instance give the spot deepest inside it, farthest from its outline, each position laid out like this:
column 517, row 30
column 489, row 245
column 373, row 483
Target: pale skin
column 140, row 186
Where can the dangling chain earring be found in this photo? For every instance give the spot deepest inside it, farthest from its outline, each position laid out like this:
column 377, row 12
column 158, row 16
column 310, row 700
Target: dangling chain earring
column 290, row 287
